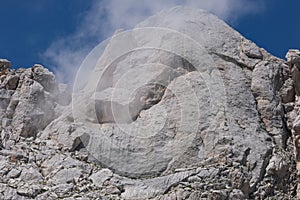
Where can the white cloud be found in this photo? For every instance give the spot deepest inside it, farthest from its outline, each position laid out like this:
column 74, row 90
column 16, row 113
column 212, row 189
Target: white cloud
column 123, row 14
column 108, row 15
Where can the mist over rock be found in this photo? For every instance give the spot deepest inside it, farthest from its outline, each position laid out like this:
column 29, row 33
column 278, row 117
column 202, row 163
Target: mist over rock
column 180, row 107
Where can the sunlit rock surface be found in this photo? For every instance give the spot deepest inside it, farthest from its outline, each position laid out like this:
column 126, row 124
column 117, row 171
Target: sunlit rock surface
column 181, row 107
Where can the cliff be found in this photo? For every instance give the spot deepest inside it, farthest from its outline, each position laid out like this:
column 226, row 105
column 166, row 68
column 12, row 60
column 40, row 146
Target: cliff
column 181, row 107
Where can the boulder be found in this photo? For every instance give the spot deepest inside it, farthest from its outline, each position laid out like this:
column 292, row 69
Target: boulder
column 293, row 57
column 4, row 64
column 30, row 98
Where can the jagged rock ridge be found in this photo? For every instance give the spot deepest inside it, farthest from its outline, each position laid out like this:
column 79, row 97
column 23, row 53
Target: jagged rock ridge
column 232, row 136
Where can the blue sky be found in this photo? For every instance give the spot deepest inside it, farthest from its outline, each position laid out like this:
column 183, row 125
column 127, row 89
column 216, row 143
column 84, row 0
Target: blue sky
column 59, row 33
column 29, row 27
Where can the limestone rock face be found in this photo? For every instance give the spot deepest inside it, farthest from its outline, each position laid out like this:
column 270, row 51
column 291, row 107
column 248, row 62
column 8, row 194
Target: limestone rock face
column 4, row 64
column 293, row 56
column 181, row 107
column 28, row 101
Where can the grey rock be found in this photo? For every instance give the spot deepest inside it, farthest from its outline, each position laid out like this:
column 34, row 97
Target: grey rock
column 30, row 106
column 194, row 179
column 269, row 106
column 44, row 77
column 94, row 195
column 65, row 132
column 236, row 194
column 11, row 82
column 289, row 107
column 11, row 194
column 220, row 45
column 111, row 190
column 240, row 120
column 70, row 162
column 69, row 175
column 13, row 155
column 2, row 187
column 296, row 77
column 287, row 91
column 32, row 113
column 177, row 194
column 52, row 164
column 4, row 64
column 196, row 112
column 195, row 195
column 47, row 195
column 296, row 126
column 149, row 188
column 4, row 166
column 31, row 175
column 5, row 96
column 205, row 173
column 31, row 191
column 219, row 194
column 251, row 50
column 277, row 166
column 100, row 177
column 63, row 190
column 293, row 56
column 14, row 173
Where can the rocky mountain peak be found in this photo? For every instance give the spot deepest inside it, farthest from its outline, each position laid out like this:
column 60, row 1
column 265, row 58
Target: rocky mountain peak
column 180, row 107
column 293, row 57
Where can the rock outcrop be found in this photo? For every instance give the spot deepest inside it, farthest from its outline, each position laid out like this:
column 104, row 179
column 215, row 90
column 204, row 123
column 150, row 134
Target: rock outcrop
column 29, row 98
column 181, row 107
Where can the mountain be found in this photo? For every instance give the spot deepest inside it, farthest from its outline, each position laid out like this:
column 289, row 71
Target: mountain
column 180, row 107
